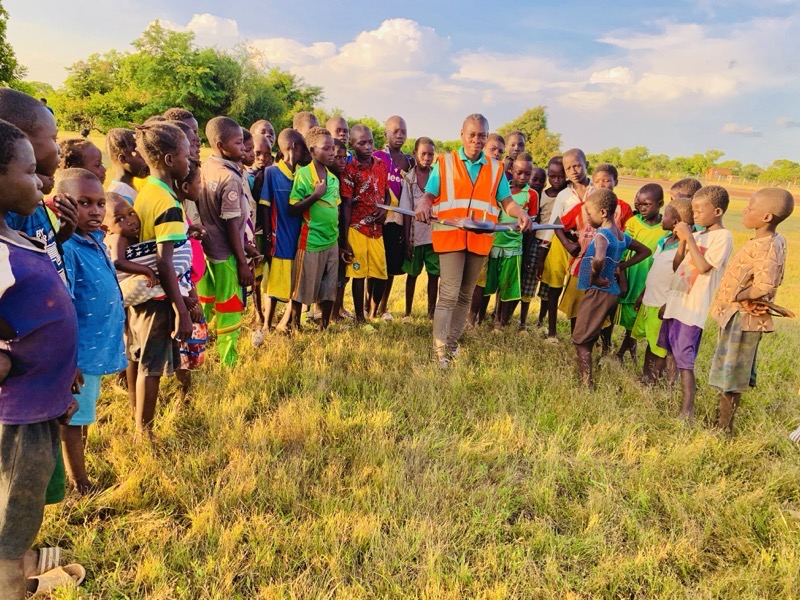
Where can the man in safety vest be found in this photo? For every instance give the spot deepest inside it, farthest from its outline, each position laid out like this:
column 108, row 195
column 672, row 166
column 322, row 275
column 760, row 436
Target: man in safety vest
column 463, row 184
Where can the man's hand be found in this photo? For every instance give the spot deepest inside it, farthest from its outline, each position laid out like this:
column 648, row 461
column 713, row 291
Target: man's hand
column 683, row 231
column 524, row 221
column 245, row 274
column 72, row 408
column 67, row 210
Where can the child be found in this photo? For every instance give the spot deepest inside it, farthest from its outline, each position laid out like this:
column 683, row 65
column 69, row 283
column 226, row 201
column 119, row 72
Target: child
column 315, row 196
column 702, row 258
column 101, row 317
column 419, row 245
column 281, row 229
column 127, row 163
column 505, row 258
column 225, row 210
column 262, row 158
column 596, row 275
column 365, row 184
column 495, row 146
column 398, row 163
column 191, row 135
column 177, row 114
column 337, row 126
column 685, row 188
column 39, row 333
column 253, row 233
column 654, row 295
column 341, row 157
column 558, row 182
column 265, row 128
column 752, row 277
column 530, row 253
column 515, row 145
column 304, row 121
column 153, row 329
column 644, row 226
column 82, row 154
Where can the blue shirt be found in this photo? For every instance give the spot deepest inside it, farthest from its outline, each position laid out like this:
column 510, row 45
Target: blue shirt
column 98, row 304
column 473, row 168
column 39, row 226
column 616, row 248
column 278, row 180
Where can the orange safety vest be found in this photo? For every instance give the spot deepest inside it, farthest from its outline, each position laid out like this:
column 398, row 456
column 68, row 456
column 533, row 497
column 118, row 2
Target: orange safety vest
column 460, row 198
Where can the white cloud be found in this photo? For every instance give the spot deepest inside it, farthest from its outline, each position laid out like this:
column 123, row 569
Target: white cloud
column 737, row 129
column 210, row 30
column 787, row 123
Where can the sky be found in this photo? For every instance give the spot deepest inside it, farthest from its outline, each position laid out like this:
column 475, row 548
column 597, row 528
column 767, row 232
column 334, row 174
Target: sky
column 678, row 77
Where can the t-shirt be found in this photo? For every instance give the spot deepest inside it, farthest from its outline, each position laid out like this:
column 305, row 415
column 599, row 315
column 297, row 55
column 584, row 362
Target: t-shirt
column 39, row 225
column 565, row 201
column 691, row 292
column 659, row 277
column 98, row 304
column 222, row 199
column 160, row 212
column 124, row 190
column 578, row 220
column 395, row 177
column 434, row 184
column 366, row 186
column 512, row 240
column 321, row 220
column 546, row 204
column 648, row 235
column 409, row 198
column 614, row 252
column 278, row 180
column 37, row 306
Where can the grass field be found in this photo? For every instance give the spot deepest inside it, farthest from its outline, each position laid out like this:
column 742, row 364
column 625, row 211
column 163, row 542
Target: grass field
column 346, row 465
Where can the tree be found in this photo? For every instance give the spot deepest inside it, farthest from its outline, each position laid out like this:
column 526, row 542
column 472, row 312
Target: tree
column 10, row 70
column 634, row 158
column 750, row 171
column 782, row 170
column 540, row 143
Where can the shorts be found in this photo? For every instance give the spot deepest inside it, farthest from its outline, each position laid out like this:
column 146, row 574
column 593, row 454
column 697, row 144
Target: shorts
column 394, row 248
column 369, row 256
column 556, row 264
column 626, row 316
column 87, row 400
column 571, row 298
column 149, row 340
column 680, row 340
column 423, row 256
column 592, row 315
column 733, row 368
column 528, row 281
column 193, row 350
column 281, row 279
column 648, row 325
column 482, row 275
column 502, row 274
column 317, row 275
column 27, row 459
column 219, row 289
column 57, row 487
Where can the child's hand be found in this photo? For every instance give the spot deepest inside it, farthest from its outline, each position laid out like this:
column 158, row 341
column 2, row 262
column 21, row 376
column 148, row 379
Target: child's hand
column 196, row 232
column 573, row 248
column 754, row 307
column 245, row 274
column 638, row 304
column 622, row 279
column 320, row 188
column 661, row 312
column 67, row 210
column 409, row 250
column 379, row 216
column 183, row 326
column 77, row 382
column 601, row 282
column 152, row 278
column 527, row 265
column 5, row 366
column 346, row 254
column 72, row 408
column 683, row 231
column 196, row 313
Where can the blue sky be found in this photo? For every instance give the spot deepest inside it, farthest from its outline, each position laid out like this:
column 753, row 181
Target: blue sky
column 677, row 77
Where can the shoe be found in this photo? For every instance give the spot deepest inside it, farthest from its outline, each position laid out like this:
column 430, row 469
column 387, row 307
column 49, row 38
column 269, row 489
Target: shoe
column 444, row 362
column 257, row 338
column 387, row 316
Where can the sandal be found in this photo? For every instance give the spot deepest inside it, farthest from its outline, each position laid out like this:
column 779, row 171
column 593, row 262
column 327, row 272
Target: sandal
column 49, row 559
column 68, row 575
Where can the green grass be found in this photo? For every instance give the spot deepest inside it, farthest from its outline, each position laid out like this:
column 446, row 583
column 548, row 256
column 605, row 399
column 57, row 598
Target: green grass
column 346, row 465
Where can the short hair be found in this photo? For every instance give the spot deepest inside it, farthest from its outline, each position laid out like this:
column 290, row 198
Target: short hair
column 478, row 118
column 257, row 124
column 575, row 152
column 716, row 194
column 359, row 128
column 780, row 203
column 177, row 113
column 259, row 138
column 540, row 169
column 315, row 134
column 155, row 140
column 496, row 137
column 287, row 137
column 183, row 127
column 604, row 199
column 120, row 140
column 683, row 206
column 335, row 118
column 155, row 119
column 22, row 110
column 606, row 168
column 304, row 117
column 516, row 132
column 524, row 157
column 654, row 190
column 686, row 187
column 339, row 144
column 246, row 135
column 67, row 177
column 9, row 135
column 114, row 198
column 556, row 160
column 423, row 140
column 73, row 152
column 221, row 129
column 194, row 169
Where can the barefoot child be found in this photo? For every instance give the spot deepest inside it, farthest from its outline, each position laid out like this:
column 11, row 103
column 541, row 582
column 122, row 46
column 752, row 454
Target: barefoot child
column 101, row 317
column 340, row 159
column 753, row 276
column 701, row 260
column 558, row 182
column 530, row 253
column 515, row 145
column 78, row 153
column 127, row 164
column 596, row 276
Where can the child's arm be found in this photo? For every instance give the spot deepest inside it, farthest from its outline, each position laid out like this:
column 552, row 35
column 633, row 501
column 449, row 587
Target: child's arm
column 767, row 275
column 298, row 208
column 684, row 233
column 599, row 260
column 166, row 273
column 118, row 245
column 640, row 252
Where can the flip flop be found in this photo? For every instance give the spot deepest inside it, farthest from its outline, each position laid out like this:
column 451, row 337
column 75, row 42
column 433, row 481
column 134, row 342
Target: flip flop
column 68, row 575
column 49, row 559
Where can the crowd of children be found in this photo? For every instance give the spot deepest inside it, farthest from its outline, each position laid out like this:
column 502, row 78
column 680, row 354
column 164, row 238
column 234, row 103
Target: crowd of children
column 98, row 281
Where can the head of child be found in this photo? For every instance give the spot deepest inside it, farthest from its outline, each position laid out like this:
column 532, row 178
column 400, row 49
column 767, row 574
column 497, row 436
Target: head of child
column 176, row 114
column 600, row 207
column 226, row 138
column 538, row 179
column 339, row 157
column 192, row 136
column 304, row 121
column 396, row 132
column 320, row 144
column 555, row 173
column 685, row 188
column 605, row 176
column 574, row 161
column 515, row 144
column 709, row 205
column 120, row 218
column 265, row 128
column 22, row 189
column 121, row 149
column 188, row 188
column 87, row 190
column 262, row 152
column 78, row 153
column 495, row 146
column 164, row 148
column 677, row 211
column 424, row 152
column 339, row 129
column 361, row 142
column 767, row 209
column 521, row 170
column 292, row 147
column 649, row 200
column 249, row 155
column 39, row 125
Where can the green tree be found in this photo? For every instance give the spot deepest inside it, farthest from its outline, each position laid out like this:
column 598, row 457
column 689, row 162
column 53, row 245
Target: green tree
column 782, row 170
column 750, row 171
column 10, row 70
column 540, row 142
column 634, row 158
column 378, row 131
